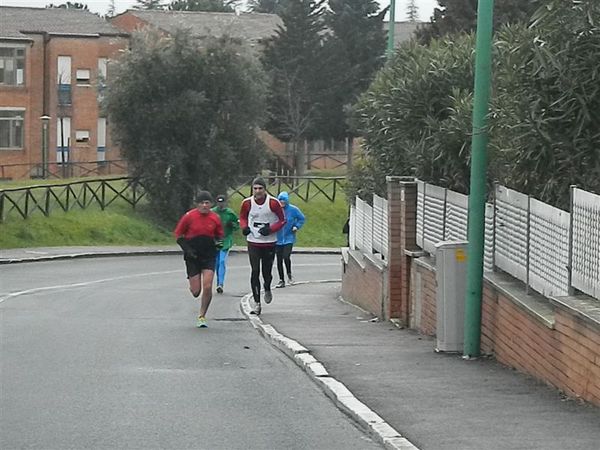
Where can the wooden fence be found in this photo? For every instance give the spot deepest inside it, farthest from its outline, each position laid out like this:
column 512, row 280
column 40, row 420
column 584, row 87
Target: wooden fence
column 24, row 202
column 305, row 188
column 55, row 170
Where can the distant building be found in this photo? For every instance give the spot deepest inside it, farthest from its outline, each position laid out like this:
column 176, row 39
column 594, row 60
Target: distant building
column 53, row 63
column 250, row 28
column 404, row 31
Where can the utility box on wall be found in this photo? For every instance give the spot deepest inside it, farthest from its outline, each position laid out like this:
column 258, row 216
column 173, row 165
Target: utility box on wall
column 451, row 277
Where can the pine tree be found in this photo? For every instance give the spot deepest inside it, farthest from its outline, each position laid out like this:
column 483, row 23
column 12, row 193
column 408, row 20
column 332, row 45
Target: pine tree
column 294, row 60
column 148, row 4
column 266, row 6
column 412, row 11
column 455, row 16
column 111, row 9
column 360, row 42
column 202, row 5
column 69, row 5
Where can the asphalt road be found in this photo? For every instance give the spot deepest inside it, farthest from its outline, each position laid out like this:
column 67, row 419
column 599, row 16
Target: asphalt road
column 103, row 353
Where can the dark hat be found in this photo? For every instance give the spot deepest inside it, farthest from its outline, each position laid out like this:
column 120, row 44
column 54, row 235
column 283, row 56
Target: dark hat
column 260, row 181
column 202, row 196
column 221, row 198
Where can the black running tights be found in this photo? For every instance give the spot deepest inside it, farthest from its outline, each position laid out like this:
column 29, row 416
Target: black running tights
column 261, row 256
column 284, row 255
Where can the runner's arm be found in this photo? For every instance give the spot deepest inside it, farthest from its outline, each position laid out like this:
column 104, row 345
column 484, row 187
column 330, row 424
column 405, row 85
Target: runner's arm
column 278, row 210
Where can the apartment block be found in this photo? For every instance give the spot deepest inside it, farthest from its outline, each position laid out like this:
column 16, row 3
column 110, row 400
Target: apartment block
column 53, row 70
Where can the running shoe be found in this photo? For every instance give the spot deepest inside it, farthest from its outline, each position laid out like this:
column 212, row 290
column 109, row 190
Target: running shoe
column 201, row 323
column 268, row 297
column 257, row 309
column 280, row 284
column 220, row 289
column 290, row 279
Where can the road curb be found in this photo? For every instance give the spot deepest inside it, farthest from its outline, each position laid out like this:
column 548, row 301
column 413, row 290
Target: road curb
column 377, row 428
column 98, row 253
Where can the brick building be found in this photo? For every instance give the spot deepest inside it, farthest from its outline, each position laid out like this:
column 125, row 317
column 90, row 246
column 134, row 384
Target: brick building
column 53, row 63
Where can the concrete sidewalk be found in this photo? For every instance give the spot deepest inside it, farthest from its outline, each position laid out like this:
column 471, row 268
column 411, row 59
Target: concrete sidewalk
column 398, row 386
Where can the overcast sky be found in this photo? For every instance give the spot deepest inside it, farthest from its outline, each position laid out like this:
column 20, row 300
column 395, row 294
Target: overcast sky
column 101, row 6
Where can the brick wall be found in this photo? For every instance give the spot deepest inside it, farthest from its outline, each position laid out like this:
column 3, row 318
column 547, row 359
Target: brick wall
column 427, row 300
column 363, row 283
column 559, row 346
column 565, row 354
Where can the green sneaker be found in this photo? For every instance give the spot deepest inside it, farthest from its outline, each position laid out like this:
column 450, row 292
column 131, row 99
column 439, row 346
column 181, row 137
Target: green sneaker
column 201, row 323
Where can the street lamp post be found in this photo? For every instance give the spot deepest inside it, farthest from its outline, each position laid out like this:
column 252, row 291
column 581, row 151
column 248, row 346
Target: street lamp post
column 479, row 142
column 45, row 123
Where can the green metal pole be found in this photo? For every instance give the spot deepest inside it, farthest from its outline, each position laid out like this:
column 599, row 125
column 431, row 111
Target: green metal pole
column 476, row 233
column 391, row 28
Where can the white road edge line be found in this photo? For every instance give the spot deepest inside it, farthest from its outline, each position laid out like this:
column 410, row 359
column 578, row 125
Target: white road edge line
column 81, row 284
column 371, row 422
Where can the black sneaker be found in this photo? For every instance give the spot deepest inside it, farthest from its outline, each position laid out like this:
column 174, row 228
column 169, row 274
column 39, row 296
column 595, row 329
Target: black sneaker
column 280, row 284
column 268, row 297
column 220, row 289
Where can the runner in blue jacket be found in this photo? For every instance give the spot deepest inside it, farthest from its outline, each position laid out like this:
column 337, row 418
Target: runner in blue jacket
column 286, row 238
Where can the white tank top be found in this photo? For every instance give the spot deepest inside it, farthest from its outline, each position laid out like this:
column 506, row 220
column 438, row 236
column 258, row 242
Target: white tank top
column 259, row 216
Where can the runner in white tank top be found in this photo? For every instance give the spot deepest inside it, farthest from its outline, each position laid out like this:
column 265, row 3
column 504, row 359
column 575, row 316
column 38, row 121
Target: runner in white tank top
column 261, row 216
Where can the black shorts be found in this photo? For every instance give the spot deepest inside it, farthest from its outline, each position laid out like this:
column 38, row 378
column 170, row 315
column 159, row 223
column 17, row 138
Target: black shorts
column 194, row 266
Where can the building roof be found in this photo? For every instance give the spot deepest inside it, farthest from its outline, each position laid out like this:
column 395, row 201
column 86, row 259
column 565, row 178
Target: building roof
column 17, row 22
column 252, row 27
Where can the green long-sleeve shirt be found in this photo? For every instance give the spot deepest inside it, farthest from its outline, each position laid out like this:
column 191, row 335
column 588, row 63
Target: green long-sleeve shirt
column 230, row 222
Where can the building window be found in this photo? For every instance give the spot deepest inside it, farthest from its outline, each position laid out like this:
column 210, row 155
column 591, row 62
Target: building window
column 83, row 77
column 63, row 80
column 11, row 129
column 12, row 66
column 82, row 136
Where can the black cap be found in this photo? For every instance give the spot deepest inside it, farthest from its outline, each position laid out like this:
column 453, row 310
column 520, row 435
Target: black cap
column 202, row 196
column 260, row 181
column 221, row 198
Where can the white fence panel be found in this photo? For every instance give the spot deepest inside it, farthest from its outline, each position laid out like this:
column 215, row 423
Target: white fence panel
column 457, row 216
column 364, row 226
column 352, row 230
column 358, row 236
column 488, row 251
column 433, row 216
column 420, row 212
column 585, row 274
column 380, row 225
column 548, row 249
column 511, row 232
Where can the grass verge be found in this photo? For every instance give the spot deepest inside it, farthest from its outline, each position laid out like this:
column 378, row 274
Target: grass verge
column 121, row 225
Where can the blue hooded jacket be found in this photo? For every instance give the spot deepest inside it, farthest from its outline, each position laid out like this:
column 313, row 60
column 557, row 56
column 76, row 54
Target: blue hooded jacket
column 293, row 219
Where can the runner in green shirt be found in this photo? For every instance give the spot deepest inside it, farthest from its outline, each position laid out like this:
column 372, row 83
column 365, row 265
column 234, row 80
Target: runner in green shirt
column 230, row 224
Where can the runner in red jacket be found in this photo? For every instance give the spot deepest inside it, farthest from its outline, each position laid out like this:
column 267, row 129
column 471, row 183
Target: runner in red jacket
column 199, row 233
